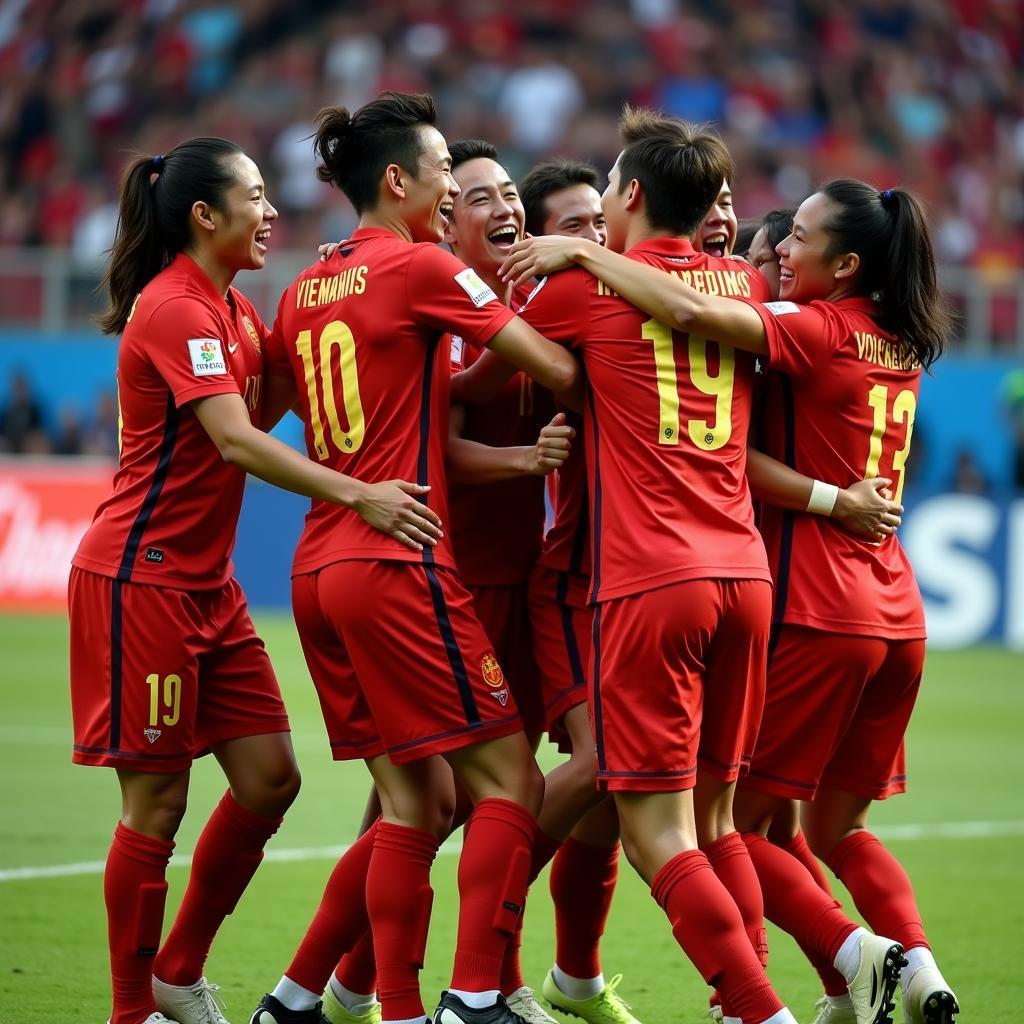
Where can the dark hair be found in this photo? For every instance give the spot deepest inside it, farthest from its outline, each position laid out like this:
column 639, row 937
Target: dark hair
column 777, row 225
column 680, row 167
column 890, row 234
column 745, row 231
column 154, row 220
column 472, row 149
column 545, row 179
column 357, row 148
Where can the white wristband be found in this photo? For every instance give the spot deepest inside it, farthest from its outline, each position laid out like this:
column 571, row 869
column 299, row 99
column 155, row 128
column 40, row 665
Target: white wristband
column 823, row 498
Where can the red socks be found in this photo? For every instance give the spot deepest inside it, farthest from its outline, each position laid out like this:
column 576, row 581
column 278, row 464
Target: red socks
column 493, row 872
column 794, row 902
column 340, row 920
column 544, row 848
column 731, row 862
column 832, row 981
column 582, row 884
column 357, row 970
column 880, row 888
column 227, row 855
column 709, row 928
column 398, row 902
column 134, row 889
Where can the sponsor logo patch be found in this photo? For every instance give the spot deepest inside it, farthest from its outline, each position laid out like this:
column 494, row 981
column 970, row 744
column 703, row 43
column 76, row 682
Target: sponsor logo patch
column 151, row 734
column 493, row 675
column 782, row 308
column 207, row 357
column 250, row 329
column 479, row 292
column 154, row 555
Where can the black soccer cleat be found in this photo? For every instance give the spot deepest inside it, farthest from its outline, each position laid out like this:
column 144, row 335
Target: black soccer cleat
column 452, row 1010
column 273, row 1011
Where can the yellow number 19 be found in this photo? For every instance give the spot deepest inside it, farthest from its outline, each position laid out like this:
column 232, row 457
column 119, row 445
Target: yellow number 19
column 709, row 437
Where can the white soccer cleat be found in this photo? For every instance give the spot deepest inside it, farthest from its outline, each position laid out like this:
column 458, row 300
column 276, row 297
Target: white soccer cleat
column 157, row 1018
column 927, row 999
column 524, row 1002
column 877, row 977
column 189, row 1004
column 829, row 1013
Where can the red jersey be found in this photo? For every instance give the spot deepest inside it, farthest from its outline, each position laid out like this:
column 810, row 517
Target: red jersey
column 666, row 425
column 364, row 336
column 171, row 518
column 843, row 410
column 567, row 544
column 497, row 527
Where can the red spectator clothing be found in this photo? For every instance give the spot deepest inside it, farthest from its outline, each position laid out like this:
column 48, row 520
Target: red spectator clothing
column 666, row 425
column 842, row 408
column 364, row 335
column 171, row 518
column 497, row 528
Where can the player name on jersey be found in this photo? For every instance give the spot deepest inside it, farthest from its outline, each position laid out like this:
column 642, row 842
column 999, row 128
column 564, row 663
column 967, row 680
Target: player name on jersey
column 710, row 282
column 318, row 291
column 884, row 352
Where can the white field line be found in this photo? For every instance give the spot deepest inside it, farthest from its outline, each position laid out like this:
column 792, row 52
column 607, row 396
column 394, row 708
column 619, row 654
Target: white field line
column 938, row 830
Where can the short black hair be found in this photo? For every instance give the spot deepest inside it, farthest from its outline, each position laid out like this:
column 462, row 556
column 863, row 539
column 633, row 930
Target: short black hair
column 356, row 148
column 472, row 149
column 545, row 179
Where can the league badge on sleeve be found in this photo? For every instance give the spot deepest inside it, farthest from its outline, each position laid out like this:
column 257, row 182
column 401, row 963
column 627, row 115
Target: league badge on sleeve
column 207, row 357
column 782, row 308
column 479, row 292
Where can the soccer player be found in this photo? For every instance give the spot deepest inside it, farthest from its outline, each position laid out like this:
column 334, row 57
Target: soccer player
column 680, row 580
column 406, row 676
column 165, row 663
column 717, row 234
column 560, row 197
column 859, row 316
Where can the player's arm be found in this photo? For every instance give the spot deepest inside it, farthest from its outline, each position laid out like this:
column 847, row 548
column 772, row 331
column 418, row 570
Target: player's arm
column 665, row 297
column 550, row 365
column 389, row 506
column 279, row 395
column 863, row 507
column 472, row 462
column 483, row 380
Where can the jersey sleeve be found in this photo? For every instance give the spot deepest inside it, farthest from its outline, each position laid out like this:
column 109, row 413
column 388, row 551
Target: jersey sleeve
column 559, row 307
column 275, row 354
column 801, row 339
column 445, row 294
column 183, row 341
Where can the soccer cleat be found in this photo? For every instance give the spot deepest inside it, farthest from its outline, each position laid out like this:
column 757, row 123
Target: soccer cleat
column 157, row 1018
column 715, row 1008
column 607, row 1007
column 877, row 976
column 829, row 1013
column 927, row 999
column 189, row 1004
column 452, row 1010
column 338, row 1013
column 272, row 1011
column 524, row 1003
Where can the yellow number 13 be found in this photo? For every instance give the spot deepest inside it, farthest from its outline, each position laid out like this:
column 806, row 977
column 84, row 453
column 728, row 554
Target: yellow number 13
column 335, row 335
column 903, row 409
column 708, row 437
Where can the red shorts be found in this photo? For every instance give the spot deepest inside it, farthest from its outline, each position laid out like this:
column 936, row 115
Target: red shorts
column 677, row 676
column 400, row 663
column 562, row 624
column 836, row 713
column 158, row 676
column 504, row 613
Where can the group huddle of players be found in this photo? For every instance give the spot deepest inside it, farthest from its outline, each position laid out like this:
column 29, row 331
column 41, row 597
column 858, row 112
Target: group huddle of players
column 704, row 671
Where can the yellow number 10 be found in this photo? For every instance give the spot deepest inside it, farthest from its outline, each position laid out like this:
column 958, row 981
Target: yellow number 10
column 335, row 335
column 708, row 437
column 903, row 409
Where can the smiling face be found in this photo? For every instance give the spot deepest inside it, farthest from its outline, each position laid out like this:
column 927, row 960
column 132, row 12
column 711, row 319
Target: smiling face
column 429, row 195
column 487, row 219
column 243, row 220
column 575, row 211
column 805, row 273
column 763, row 257
column 717, row 235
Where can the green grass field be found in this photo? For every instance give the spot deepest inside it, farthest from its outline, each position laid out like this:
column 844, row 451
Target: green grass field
column 966, row 762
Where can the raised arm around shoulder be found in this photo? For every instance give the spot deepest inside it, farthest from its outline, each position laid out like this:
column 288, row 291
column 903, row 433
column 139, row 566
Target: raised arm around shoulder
column 550, row 365
column 483, row 380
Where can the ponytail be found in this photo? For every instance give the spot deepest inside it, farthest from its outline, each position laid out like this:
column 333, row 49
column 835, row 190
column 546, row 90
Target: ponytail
column 889, row 232
column 154, row 220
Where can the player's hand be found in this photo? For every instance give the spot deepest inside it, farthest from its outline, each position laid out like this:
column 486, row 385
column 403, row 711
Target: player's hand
column 327, row 250
column 536, row 257
column 552, row 447
column 391, row 507
column 866, row 508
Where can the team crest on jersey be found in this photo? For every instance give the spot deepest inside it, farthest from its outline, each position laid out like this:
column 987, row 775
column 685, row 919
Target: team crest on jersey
column 152, row 734
column 501, row 696
column 493, row 675
column 479, row 291
column 207, row 357
column 250, row 329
